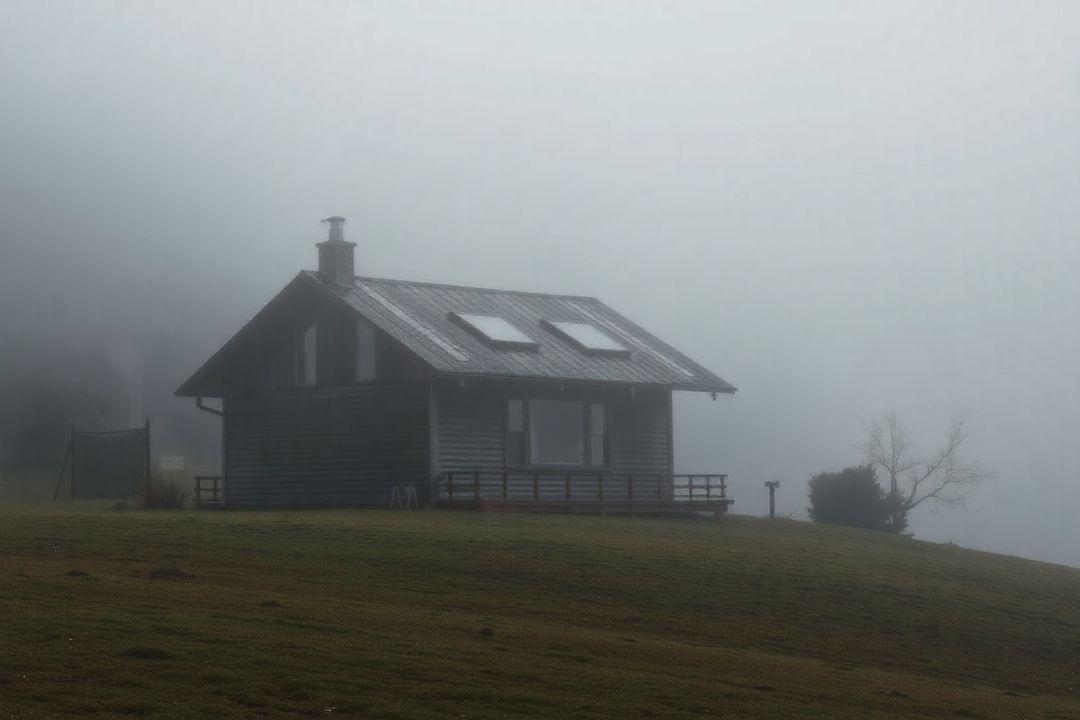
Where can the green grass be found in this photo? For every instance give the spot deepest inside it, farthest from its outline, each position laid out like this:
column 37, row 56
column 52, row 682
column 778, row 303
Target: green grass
column 422, row 614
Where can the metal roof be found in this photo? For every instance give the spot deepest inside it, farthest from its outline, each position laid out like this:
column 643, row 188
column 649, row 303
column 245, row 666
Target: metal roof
column 418, row 316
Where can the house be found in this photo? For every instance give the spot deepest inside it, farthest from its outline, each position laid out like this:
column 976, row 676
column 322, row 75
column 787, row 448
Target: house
column 345, row 388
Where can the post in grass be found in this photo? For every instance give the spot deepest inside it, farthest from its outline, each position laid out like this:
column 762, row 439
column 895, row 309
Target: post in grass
column 772, row 485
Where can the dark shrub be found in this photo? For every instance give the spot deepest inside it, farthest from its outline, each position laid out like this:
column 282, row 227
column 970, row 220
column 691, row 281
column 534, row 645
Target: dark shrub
column 850, row 497
column 158, row 494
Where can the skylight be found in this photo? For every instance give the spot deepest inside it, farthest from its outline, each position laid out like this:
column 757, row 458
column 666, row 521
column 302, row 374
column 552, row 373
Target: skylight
column 495, row 331
column 587, row 337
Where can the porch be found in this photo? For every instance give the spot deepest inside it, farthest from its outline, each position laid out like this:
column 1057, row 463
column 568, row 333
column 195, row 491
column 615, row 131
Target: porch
column 596, row 493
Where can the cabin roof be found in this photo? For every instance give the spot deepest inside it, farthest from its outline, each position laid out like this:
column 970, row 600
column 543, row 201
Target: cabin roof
column 420, row 317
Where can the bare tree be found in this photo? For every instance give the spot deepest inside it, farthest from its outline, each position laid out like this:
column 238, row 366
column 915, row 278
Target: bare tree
column 942, row 477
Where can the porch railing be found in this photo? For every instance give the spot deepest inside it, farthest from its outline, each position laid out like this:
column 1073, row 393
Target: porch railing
column 208, row 490
column 550, row 486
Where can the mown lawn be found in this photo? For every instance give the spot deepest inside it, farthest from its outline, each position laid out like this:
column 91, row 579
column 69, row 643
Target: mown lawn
column 422, row 614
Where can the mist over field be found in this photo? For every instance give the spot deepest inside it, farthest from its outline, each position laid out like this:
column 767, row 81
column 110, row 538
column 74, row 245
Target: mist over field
column 844, row 209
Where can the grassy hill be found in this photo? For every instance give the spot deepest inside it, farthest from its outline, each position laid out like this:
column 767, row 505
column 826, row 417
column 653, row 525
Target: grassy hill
column 395, row 615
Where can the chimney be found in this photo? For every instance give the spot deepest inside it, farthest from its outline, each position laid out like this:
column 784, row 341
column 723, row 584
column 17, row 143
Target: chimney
column 336, row 255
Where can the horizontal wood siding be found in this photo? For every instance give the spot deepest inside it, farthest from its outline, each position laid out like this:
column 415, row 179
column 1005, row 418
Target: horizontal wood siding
column 470, row 428
column 641, row 434
column 471, row 425
column 322, row 447
column 265, row 360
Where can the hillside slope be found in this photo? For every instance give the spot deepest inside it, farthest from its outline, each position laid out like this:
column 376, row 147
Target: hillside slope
column 384, row 614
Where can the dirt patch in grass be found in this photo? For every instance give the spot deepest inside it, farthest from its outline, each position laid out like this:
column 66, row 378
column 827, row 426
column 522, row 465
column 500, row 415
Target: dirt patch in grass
column 169, row 573
column 146, row 652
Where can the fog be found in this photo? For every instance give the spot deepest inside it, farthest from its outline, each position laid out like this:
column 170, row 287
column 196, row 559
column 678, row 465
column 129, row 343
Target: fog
column 842, row 208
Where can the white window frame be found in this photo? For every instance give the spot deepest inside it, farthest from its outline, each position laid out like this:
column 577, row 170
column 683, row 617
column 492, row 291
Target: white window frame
column 365, row 355
column 305, row 355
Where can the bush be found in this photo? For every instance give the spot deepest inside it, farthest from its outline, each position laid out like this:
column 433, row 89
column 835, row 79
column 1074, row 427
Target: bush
column 850, row 497
column 158, row 494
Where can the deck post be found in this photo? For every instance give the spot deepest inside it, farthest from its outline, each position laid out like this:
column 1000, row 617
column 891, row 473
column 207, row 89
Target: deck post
column 600, row 487
column 690, row 487
column 659, row 495
column 630, row 487
column 476, row 485
column 504, row 485
column 536, row 486
column 450, row 487
column 708, row 488
column 567, row 486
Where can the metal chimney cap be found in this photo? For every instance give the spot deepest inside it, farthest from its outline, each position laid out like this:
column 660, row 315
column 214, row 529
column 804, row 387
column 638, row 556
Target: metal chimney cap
column 336, row 233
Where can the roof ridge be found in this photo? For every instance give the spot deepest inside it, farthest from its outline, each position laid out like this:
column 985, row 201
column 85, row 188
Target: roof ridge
column 450, row 286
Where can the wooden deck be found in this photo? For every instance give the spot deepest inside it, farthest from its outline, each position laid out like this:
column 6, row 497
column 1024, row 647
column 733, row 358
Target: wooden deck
column 596, row 493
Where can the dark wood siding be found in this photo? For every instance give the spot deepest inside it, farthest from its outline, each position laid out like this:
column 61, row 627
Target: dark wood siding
column 332, row 446
column 471, row 424
column 640, row 438
column 265, row 360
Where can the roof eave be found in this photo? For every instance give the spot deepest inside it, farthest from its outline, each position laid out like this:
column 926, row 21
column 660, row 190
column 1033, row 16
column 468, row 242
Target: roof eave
column 682, row 387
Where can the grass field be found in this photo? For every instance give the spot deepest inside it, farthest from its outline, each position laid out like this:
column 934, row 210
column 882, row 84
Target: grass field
column 420, row 614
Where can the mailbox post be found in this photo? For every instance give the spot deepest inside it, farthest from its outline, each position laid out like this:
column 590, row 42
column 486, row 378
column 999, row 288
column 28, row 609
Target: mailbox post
column 772, row 485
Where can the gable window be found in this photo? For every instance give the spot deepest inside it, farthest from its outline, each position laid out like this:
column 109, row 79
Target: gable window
column 364, row 358
column 598, row 440
column 305, row 353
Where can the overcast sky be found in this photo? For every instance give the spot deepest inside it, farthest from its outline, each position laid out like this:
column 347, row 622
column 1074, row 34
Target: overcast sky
column 842, row 208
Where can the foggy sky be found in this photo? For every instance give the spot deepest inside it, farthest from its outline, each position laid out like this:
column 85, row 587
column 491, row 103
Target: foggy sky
column 842, row 208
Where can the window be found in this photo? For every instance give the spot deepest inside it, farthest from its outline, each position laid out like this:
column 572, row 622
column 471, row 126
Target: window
column 364, row 358
column 305, row 354
column 515, row 432
column 556, row 432
column 597, row 434
column 586, row 337
column 495, row 331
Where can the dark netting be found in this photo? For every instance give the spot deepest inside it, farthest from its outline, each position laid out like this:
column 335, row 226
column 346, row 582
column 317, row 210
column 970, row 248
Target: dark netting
column 107, row 466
